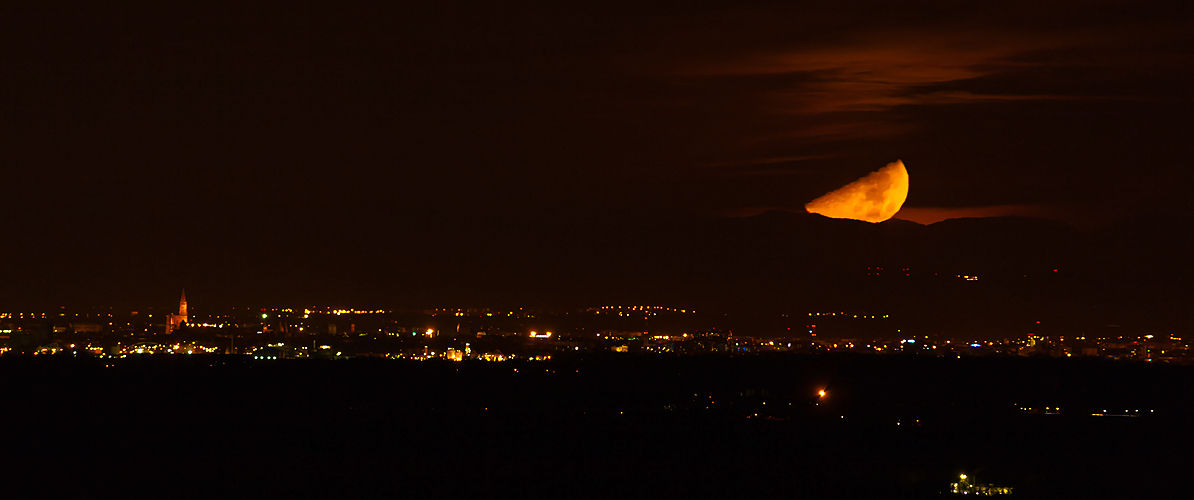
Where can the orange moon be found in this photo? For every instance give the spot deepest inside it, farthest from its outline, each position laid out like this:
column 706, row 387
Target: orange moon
column 874, row 198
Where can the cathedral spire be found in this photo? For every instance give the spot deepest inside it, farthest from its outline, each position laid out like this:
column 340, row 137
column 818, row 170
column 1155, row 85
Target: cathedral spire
column 173, row 321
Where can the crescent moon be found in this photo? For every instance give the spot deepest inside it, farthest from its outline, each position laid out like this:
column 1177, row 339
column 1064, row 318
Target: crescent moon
column 873, row 198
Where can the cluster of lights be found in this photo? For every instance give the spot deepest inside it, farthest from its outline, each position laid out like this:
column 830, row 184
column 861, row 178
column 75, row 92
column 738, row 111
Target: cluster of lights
column 1126, row 413
column 611, row 335
column 177, row 348
column 21, row 315
column 50, row 349
column 842, row 313
column 641, row 308
column 1049, row 410
column 462, row 312
column 339, row 312
column 453, row 354
column 967, row 487
column 666, row 338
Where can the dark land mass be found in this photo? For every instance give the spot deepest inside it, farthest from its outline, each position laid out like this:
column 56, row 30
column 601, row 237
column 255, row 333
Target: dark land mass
column 899, row 426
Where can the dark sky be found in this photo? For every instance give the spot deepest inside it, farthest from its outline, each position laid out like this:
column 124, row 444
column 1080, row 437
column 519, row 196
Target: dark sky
column 285, row 153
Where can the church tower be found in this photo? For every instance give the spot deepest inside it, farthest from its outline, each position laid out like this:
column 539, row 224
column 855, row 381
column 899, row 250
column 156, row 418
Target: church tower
column 182, row 306
column 174, row 321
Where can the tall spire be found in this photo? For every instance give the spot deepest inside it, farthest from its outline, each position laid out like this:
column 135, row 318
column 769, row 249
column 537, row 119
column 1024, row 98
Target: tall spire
column 174, row 321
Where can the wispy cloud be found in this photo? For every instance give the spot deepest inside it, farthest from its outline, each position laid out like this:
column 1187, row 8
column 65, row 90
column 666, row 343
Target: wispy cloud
column 838, row 96
column 1078, row 215
column 987, row 103
column 880, row 72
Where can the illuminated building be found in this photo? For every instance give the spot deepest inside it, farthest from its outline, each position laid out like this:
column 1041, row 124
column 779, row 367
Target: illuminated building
column 174, row 321
column 494, row 356
column 51, row 348
column 967, row 486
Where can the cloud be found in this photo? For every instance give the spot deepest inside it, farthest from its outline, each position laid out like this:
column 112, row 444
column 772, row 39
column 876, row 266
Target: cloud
column 953, row 95
column 1075, row 215
column 879, row 72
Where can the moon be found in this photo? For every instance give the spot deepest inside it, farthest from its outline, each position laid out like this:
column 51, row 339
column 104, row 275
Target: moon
column 874, row 198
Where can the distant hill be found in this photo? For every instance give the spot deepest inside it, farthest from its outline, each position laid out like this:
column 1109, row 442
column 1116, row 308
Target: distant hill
column 786, row 261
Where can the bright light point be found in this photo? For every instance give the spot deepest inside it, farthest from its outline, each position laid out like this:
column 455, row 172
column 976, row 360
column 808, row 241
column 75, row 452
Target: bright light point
column 874, row 198
column 821, row 393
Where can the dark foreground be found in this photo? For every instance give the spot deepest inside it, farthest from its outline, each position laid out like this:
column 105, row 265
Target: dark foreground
column 744, row 427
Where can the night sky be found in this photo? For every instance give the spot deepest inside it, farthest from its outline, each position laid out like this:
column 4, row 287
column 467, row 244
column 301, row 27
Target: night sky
column 368, row 158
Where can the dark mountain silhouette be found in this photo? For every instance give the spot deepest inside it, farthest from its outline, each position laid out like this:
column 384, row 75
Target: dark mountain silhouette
column 786, row 262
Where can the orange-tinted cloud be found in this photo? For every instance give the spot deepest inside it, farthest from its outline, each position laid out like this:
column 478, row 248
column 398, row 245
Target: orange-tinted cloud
column 844, row 88
column 878, row 72
column 992, row 102
column 929, row 215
